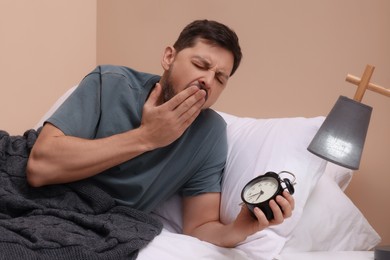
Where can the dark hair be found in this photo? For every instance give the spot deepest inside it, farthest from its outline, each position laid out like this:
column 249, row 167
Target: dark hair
column 213, row 32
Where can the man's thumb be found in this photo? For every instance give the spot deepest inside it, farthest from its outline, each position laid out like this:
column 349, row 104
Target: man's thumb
column 155, row 95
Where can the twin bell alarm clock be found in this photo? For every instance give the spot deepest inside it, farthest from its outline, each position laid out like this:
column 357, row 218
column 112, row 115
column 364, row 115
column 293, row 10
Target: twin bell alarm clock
column 259, row 191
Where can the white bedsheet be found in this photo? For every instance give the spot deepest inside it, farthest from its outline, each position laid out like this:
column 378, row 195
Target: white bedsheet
column 340, row 255
column 174, row 246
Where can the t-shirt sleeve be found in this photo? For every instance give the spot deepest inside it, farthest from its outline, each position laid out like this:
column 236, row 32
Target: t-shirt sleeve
column 209, row 177
column 80, row 112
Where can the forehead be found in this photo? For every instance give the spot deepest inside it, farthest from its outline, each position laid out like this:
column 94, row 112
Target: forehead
column 215, row 55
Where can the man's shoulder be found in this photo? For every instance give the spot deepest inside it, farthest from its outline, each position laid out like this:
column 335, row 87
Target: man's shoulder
column 127, row 73
column 209, row 120
column 211, row 114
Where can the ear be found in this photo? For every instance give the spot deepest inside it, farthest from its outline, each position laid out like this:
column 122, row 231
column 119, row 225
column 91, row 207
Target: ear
column 168, row 57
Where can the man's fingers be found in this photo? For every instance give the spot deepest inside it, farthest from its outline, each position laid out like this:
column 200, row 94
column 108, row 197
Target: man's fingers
column 277, row 212
column 191, row 106
column 186, row 105
column 184, row 100
column 260, row 216
column 286, row 204
column 154, row 95
column 289, row 198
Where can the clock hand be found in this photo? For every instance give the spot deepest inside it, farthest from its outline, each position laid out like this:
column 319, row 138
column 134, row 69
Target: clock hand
column 260, row 193
column 250, row 196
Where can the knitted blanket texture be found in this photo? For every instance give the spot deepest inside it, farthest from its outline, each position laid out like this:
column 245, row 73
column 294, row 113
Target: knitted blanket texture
column 69, row 221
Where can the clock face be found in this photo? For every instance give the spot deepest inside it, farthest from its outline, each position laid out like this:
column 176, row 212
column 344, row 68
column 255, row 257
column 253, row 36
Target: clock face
column 260, row 191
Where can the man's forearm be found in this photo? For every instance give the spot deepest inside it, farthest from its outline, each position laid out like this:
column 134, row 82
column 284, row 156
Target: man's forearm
column 219, row 234
column 56, row 158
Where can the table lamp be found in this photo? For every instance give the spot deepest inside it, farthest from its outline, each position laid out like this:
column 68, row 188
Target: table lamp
column 341, row 137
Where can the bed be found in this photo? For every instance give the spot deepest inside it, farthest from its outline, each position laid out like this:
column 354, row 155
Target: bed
column 325, row 224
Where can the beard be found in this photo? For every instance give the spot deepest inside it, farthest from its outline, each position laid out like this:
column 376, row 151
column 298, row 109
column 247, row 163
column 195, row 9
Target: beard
column 168, row 91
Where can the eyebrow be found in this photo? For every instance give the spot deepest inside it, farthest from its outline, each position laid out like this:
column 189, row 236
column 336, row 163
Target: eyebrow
column 208, row 64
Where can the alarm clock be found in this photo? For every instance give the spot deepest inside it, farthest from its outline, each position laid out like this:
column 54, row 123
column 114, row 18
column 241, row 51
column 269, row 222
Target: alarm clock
column 259, row 191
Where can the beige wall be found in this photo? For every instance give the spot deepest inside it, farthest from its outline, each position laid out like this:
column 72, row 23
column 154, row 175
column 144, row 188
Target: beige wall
column 45, row 47
column 296, row 57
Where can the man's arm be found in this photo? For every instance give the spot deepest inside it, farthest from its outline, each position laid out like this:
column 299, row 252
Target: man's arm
column 201, row 219
column 57, row 158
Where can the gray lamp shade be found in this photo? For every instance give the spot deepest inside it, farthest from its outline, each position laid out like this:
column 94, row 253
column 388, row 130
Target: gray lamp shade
column 341, row 137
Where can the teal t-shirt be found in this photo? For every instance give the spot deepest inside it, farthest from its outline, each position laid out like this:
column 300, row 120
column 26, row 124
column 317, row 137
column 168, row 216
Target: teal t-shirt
column 109, row 101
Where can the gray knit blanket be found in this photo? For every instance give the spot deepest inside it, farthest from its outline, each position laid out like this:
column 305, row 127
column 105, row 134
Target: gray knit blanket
column 72, row 221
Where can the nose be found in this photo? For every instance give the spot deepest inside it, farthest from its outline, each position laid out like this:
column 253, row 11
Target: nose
column 207, row 79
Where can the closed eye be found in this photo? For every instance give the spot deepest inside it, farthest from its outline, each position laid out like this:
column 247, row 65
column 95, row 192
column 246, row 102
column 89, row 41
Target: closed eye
column 200, row 66
column 203, row 64
column 222, row 78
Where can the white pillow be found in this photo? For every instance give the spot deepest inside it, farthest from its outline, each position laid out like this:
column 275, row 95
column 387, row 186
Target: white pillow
column 170, row 214
column 341, row 175
column 331, row 222
column 256, row 146
column 54, row 107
